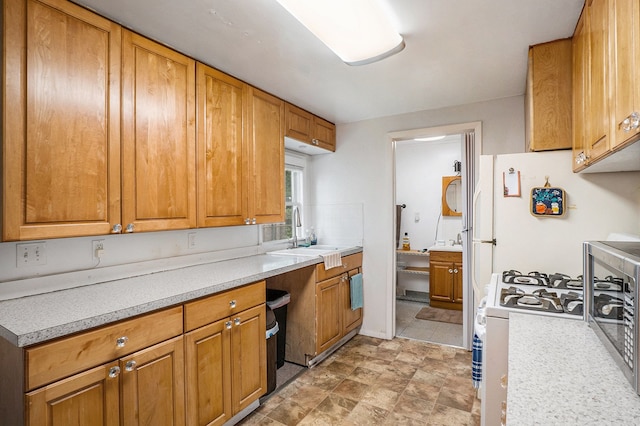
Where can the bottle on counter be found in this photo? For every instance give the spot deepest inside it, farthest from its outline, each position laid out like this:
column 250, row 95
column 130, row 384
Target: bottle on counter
column 313, row 237
column 406, row 243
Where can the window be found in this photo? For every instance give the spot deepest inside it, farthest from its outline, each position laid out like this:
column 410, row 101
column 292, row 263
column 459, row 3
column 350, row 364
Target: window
column 293, row 198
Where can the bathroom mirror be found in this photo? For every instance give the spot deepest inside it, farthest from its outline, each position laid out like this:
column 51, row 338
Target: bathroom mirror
column 451, row 196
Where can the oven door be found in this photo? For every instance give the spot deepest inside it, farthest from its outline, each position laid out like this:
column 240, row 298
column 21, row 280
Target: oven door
column 612, row 294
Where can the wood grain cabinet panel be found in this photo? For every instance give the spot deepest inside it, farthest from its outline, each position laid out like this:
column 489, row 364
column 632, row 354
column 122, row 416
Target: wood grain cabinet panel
column 548, row 96
column 308, row 128
column 61, row 136
column 265, row 158
column 445, row 280
column 89, row 398
column 625, row 70
column 158, row 136
column 580, row 102
column 597, row 142
column 328, row 314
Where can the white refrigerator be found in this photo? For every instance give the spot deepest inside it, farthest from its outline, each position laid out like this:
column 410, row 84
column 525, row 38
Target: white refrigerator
column 595, row 205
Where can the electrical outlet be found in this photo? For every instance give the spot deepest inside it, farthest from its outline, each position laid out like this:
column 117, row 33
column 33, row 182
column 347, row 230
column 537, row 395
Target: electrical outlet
column 191, row 242
column 97, row 249
column 31, row 254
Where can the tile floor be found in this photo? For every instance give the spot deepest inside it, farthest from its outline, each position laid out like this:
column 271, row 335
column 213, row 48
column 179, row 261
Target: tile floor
column 407, row 325
column 378, row 382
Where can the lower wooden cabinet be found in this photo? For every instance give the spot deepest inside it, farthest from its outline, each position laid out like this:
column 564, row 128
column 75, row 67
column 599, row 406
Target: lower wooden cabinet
column 445, row 280
column 320, row 313
column 198, row 364
column 145, row 388
column 226, row 360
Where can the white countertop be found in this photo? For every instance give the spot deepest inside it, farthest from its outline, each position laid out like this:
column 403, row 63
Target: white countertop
column 35, row 319
column 561, row 374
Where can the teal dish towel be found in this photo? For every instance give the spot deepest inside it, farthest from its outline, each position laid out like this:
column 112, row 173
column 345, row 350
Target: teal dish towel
column 355, row 286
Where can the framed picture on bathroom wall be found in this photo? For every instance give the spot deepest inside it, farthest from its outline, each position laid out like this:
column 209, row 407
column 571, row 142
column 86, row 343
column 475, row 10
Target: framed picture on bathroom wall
column 547, row 202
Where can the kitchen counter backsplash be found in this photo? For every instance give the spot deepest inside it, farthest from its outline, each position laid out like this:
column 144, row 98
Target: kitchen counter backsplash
column 34, row 319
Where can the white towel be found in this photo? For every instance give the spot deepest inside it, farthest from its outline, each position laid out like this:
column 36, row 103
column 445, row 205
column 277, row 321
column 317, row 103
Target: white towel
column 332, row 259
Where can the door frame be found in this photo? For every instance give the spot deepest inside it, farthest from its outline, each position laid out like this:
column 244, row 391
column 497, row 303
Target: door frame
column 470, row 159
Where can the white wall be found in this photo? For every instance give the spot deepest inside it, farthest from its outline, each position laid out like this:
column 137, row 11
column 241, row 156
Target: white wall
column 361, row 171
column 420, row 167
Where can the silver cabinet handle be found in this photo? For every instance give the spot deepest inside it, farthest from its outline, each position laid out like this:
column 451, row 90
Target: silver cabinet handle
column 232, row 304
column 254, row 221
column 247, row 221
column 236, row 321
column 455, row 271
column 129, row 228
column 121, row 341
column 117, row 228
column 130, row 365
column 227, row 325
column 450, row 271
column 314, row 141
column 114, row 372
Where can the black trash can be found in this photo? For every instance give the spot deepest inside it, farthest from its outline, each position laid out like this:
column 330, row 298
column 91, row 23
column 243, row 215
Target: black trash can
column 278, row 300
column 272, row 351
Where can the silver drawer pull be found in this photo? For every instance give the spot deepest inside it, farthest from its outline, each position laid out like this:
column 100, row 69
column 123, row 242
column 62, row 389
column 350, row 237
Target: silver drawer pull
column 228, row 325
column 121, row 341
column 130, row 365
column 114, row 372
column 236, row 321
column 232, row 304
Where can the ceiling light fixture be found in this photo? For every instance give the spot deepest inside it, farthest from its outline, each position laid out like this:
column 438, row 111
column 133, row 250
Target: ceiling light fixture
column 430, row 139
column 358, row 31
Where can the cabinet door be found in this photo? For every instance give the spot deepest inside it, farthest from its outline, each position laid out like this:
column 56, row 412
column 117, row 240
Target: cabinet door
column 328, row 313
column 208, row 374
column 440, row 281
column 61, row 165
column 598, row 140
column 266, row 158
column 158, row 135
column 457, row 283
column 580, row 92
column 298, row 123
column 351, row 319
column 153, row 385
column 248, row 357
column 625, row 64
column 221, row 179
column 324, row 134
column 88, row 398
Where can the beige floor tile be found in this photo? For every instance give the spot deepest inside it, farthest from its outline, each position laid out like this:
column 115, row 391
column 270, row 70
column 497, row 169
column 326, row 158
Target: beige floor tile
column 289, row 413
column 447, row 416
column 381, row 398
column 415, row 408
column 351, row 389
column 366, row 415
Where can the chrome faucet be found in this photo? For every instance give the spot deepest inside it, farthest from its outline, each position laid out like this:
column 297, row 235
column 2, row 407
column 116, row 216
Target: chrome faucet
column 295, row 221
column 459, row 239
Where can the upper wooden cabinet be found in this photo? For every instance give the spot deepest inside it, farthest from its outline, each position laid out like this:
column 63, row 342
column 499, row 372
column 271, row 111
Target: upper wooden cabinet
column 625, row 70
column 265, row 158
column 306, row 127
column 222, row 173
column 597, row 141
column 61, row 121
column 158, row 136
column 580, row 89
column 548, row 96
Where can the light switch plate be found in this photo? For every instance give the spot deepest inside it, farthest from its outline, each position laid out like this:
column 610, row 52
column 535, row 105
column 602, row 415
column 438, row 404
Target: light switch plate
column 31, row 254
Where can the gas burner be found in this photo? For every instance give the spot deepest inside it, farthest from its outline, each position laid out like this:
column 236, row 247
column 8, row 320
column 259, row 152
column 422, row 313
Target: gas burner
column 573, row 303
column 607, row 306
column 532, row 278
column 563, row 281
column 542, row 300
column 609, row 283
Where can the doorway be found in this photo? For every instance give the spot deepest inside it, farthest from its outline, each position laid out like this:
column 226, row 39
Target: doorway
column 422, row 164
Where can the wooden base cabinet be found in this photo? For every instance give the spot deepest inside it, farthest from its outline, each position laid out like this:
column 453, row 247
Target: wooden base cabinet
column 226, row 358
column 320, row 313
column 445, row 280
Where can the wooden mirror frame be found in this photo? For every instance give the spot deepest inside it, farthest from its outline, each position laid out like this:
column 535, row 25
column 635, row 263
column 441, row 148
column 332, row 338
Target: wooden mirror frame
column 446, row 181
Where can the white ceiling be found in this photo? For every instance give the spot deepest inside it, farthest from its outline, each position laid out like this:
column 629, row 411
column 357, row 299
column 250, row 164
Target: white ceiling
column 457, row 51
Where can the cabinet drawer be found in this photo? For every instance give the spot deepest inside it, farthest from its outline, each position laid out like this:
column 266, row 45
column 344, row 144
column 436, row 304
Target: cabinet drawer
column 211, row 309
column 52, row 361
column 445, row 256
column 348, row 262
